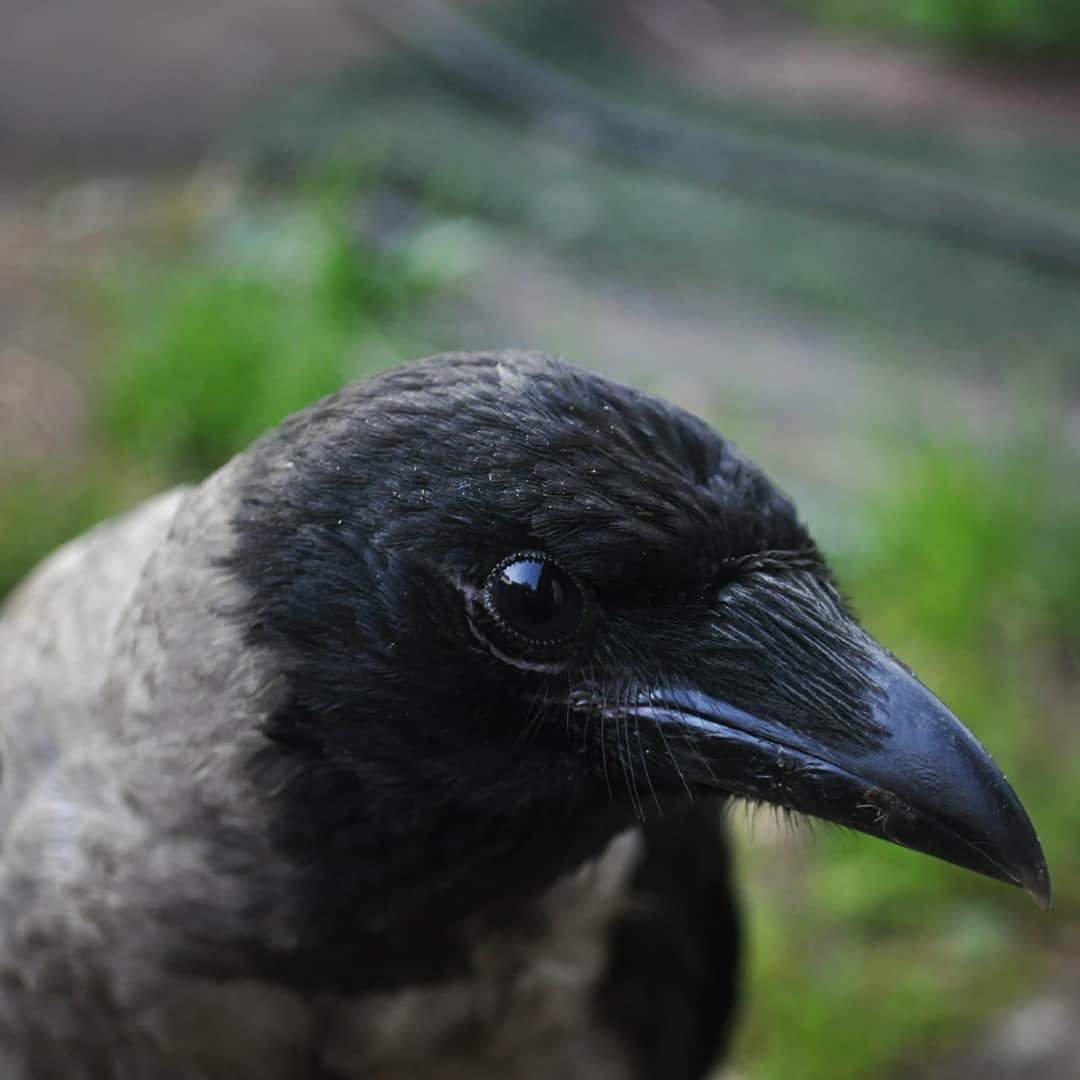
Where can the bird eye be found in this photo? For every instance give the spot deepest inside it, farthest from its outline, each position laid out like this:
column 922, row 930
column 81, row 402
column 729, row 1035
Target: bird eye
column 536, row 598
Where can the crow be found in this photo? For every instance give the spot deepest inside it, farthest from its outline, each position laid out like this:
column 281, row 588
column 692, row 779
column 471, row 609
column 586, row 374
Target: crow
column 398, row 747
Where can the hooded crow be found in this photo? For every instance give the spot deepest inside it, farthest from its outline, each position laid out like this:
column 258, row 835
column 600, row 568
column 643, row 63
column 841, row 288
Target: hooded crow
column 396, row 748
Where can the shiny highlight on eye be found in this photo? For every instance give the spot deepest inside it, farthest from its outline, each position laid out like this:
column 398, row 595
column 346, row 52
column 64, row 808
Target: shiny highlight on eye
column 533, row 596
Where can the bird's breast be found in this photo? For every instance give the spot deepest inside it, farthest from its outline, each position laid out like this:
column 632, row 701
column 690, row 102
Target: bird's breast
column 524, row 1009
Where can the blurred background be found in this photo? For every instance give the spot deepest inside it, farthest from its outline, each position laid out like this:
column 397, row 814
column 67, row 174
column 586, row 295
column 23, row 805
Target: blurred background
column 846, row 231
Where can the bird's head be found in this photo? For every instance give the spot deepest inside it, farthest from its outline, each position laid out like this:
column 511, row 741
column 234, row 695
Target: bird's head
column 511, row 598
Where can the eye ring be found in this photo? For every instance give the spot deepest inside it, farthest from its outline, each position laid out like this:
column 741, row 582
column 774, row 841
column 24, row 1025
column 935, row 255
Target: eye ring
column 535, row 600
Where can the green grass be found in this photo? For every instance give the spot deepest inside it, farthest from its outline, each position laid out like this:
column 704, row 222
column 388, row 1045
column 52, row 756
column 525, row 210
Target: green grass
column 40, row 512
column 1008, row 26
column 866, row 954
column 226, row 341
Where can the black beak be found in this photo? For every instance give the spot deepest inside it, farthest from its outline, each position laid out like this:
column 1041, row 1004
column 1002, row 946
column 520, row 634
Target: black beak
column 927, row 783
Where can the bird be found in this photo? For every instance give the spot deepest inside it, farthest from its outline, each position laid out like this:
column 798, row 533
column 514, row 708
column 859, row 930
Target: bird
column 400, row 746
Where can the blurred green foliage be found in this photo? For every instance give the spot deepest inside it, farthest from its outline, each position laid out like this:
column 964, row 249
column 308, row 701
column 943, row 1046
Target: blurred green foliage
column 219, row 346
column 997, row 25
column 39, row 512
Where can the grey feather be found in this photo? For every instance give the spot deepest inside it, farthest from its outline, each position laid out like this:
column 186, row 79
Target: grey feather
column 130, row 703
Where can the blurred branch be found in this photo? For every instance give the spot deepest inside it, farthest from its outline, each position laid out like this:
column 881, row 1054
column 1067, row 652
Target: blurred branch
column 760, row 167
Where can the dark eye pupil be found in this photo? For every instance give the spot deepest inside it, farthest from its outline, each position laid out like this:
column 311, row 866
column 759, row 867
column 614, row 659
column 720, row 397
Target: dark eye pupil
column 538, row 599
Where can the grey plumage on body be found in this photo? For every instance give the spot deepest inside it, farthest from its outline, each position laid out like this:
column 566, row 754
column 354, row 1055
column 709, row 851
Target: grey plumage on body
column 396, row 748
